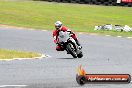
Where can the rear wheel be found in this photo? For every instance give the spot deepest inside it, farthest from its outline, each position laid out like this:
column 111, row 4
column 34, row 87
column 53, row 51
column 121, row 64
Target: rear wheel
column 72, row 50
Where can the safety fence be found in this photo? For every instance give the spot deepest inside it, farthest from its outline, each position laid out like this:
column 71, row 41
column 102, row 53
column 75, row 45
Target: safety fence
column 97, row 2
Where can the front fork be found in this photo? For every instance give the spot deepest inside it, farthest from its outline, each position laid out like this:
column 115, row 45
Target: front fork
column 74, row 43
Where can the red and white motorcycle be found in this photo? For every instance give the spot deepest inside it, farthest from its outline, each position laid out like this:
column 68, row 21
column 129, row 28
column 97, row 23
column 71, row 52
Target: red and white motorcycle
column 69, row 44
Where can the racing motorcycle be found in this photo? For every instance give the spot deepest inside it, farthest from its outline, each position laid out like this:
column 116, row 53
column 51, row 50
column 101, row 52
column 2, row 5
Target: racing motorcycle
column 69, row 44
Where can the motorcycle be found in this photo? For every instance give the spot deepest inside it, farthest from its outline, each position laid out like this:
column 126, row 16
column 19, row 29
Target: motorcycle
column 69, row 44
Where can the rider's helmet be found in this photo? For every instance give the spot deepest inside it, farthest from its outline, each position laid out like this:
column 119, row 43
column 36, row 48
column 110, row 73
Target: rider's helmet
column 58, row 25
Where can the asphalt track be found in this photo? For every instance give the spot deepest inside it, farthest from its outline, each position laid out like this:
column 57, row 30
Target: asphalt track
column 102, row 54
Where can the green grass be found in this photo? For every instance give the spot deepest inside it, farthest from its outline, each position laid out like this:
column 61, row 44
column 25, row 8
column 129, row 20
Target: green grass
column 10, row 54
column 78, row 17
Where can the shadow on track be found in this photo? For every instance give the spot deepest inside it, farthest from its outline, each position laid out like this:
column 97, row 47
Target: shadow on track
column 65, row 58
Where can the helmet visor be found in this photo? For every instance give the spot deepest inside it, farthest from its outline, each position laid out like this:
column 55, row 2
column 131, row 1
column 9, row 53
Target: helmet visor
column 57, row 27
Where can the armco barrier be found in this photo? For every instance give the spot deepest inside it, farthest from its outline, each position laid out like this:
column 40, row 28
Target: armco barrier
column 97, row 2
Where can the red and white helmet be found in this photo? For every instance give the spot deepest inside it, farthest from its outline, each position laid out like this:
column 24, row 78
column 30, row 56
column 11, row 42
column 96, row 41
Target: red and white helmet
column 58, row 24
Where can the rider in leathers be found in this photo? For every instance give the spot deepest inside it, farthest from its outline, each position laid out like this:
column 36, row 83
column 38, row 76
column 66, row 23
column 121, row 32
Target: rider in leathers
column 59, row 27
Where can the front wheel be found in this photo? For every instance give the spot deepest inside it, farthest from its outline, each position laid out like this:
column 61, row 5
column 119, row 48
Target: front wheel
column 72, row 50
column 80, row 55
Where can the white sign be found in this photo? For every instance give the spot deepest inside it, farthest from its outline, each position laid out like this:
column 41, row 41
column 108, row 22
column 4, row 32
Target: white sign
column 118, row 1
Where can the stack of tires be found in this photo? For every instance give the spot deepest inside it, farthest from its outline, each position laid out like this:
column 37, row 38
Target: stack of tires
column 96, row 2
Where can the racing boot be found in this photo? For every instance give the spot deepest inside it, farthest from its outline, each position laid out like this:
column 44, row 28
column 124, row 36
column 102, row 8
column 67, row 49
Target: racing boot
column 79, row 45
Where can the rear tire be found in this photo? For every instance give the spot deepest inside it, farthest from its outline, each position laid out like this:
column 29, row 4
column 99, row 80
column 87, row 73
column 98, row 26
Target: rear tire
column 72, row 52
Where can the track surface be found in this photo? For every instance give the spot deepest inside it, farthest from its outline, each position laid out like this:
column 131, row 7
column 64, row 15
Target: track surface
column 101, row 55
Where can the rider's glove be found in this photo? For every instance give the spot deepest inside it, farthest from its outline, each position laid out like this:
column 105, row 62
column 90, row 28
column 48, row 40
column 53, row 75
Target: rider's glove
column 71, row 33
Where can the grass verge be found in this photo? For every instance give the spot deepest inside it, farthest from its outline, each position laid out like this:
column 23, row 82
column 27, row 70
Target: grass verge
column 10, row 54
column 78, row 17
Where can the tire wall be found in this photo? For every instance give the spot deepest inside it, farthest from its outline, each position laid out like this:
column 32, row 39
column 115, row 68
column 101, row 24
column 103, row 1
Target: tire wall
column 96, row 2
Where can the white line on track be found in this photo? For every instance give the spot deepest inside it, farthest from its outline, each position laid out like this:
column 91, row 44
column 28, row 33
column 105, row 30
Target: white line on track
column 107, row 35
column 13, row 85
column 44, row 30
column 119, row 36
column 129, row 37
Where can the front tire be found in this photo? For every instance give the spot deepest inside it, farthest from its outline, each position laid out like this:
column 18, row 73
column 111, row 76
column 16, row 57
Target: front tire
column 71, row 50
column 80, row 55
